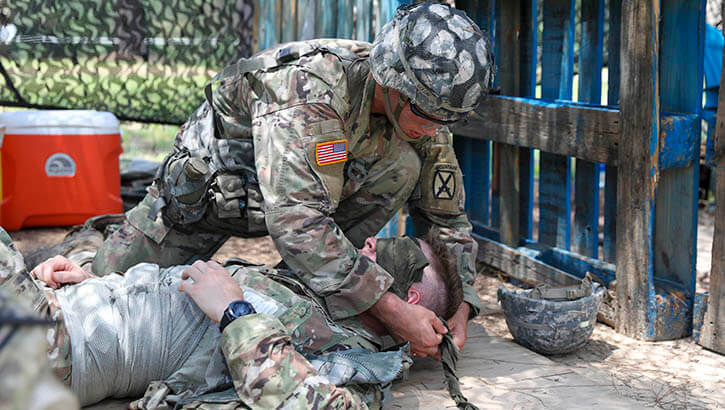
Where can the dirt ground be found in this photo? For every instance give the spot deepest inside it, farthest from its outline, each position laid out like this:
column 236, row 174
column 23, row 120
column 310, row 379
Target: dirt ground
column 677, row 374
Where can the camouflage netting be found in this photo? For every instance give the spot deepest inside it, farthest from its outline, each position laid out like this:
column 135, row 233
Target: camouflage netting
column 143, row 60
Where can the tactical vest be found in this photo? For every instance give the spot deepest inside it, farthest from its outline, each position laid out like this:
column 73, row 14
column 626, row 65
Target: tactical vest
column 209, row 168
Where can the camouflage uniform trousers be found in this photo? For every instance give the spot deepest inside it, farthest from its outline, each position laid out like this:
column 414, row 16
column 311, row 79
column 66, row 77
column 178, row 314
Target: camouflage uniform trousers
column 27, row 381
column 16, row 281
column 365, row 208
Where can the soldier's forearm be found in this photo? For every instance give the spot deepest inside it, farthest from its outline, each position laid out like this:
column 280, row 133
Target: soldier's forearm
column 326, row 261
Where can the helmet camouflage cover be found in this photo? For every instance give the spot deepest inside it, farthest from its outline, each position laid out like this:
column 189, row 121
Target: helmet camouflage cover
column 436, row 56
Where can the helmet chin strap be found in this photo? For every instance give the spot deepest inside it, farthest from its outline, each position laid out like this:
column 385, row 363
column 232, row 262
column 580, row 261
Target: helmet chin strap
column 394, row 116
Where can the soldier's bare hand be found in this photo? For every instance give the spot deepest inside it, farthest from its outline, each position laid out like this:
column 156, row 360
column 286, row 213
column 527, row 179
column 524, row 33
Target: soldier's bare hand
column 458, row 325
column 211, row 287
column 413, row 323
column 58, row 271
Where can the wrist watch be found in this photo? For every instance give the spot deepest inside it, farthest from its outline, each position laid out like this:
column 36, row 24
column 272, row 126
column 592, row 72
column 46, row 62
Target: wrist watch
column 234, row 310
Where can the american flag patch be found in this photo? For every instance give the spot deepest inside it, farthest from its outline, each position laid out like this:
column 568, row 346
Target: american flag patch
column 331, row 152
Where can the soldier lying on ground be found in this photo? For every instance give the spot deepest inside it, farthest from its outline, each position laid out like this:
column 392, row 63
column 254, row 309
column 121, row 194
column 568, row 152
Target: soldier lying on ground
column 116, row 335
column 319, row 143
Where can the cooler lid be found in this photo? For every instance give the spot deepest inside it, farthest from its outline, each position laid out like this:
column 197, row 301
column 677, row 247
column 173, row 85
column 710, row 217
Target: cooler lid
column 59, row 122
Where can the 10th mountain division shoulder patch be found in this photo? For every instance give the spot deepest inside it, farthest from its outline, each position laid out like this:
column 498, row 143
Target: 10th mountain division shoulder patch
column 444, row 184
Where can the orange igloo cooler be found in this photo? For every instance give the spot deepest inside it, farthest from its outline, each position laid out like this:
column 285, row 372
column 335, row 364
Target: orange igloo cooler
column 59, row 168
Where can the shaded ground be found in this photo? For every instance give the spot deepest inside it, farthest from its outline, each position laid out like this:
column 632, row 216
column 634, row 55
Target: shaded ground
column 677, row 374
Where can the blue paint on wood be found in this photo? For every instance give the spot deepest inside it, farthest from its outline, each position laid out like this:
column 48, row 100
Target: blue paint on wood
column 529, row 34
column 586, row 189
column 609, row 248
column 306, row 19
column 526, row 192
column 680, row 145
column 409, row 227
column 364, row 23
column 558, row 49
column 578, row 265
column 289, row 21
column 613, row 46
column 269, row 30
column 326, row 24
column 486, row 232
column 675, row 236
column 495, row 187
column 344, row 19
column 586, row 208
column 390, row 229
column 555, row 200
column 556, row 83
column 477, row 193
column 698, row 315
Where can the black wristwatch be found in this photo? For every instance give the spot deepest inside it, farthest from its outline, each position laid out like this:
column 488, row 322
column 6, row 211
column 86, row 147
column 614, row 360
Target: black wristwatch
column 234, row 310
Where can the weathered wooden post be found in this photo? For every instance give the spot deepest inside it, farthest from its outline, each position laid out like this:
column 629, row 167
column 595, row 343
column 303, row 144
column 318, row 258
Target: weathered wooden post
column 712, row 334
column 661, row 57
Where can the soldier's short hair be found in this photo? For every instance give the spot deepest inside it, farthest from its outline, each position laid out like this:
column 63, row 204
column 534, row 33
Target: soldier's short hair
column 447, row 273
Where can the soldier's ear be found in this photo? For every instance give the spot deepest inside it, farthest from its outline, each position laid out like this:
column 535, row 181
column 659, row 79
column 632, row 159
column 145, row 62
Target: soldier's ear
column 413, row 296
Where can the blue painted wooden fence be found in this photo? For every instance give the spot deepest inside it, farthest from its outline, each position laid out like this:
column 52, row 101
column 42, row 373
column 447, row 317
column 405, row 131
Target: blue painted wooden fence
column 614, row 200
column 575, row 234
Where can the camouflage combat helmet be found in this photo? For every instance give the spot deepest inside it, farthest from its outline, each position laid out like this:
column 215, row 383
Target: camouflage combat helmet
column 435, row 56
column 552, row 320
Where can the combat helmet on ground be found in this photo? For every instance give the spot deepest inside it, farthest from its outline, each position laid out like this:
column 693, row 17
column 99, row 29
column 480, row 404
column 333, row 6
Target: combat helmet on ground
column 552, row 320
column 437, row 57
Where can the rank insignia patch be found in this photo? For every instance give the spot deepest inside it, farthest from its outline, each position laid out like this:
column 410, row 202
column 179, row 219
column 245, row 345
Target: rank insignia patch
column 331, row 152
column 444, row 184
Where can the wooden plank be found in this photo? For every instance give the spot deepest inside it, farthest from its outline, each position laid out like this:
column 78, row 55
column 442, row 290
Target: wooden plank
column 479, row 190
column 509, row 61
column 571, row 129
column 712, row 333
column 609, row 247
column 586, row 185
column 269, row 23
column 558, row 127
column 518, row 265
column 681, row 69
column 306, row 17
column 364, row 20
column 528, row 36
column 344, row 19
column 556, row 83
column 495, row 185
column 289, row 21
column 326, row 19
column 638, row 167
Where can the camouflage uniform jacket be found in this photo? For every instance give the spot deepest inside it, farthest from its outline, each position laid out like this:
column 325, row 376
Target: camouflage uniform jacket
column 265, row 354
column 288, row 111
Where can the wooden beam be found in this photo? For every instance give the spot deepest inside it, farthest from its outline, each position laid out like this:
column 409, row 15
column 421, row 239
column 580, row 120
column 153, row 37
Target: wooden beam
column 585, row 239
column 510, row 81
column 344, row 18
column 712, row 334
column 571, row 129
column 638, row 167
column 520, row 266
column 364, row 20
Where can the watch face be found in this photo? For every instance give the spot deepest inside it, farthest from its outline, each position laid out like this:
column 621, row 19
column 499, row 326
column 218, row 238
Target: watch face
column 241, row 308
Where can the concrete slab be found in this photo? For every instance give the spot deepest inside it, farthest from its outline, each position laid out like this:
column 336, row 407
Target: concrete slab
column 495, row 374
